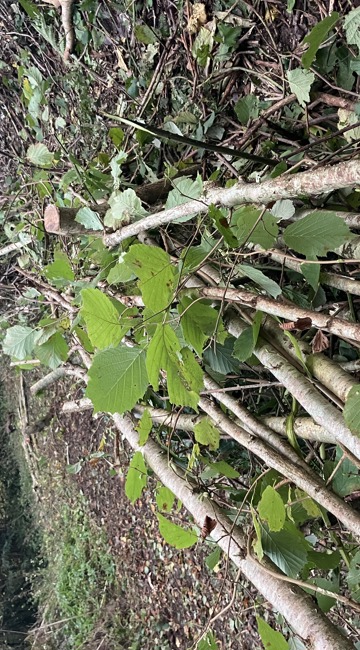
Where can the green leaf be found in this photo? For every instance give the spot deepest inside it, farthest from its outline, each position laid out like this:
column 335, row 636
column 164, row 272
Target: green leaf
column 257, row 276
column 223, row 468
column 53, row 352
column 156, row 275
column 220, row 358
column 59, row 272
column 326, row 602
column 352, row 410
column 136, row 477
column 311, row 273
column 207, row 434
column 283, row 209
column 324, row 561
column 353, row 577
column 117, row 379
column 247, row 227
column 30, row 7
column 184, row 375
column 300, row 82
column 102, row 319
column 317, row 35
column 39, row 155
column 317, row 234
column 288, row 549
column 271, row 509
column 347, row 476
column 213, row 558
column 120, row 273
column 352, row 27
column 246, row 342
column 89, row 219
column 271, row 639
column 145, row 35
column 247, row 108
column 175, row 535
column 125, row 207
column 164, row 499
column 20, row 341
column 144, row 427
column 194, row 255
column 198, row 321
column 117, row 136
column 220, row 217
column 184, row 190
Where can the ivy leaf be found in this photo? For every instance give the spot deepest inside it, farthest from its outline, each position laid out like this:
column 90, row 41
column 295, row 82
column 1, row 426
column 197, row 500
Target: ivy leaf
column 117, row 379
column 39, row 155
column 317, row 35
column 175, row 535
column 184, row 375
column 247, row 229
column 59, row 272
column 317, row 234
column 89, row 219
column 288, row 549
column 102, row 319
column 53, row 352
column 136, row 477
column 198, row 321
column 20, row 341
column 207, row 434
column 352, row 27
column 271, row 509
column 156, row 275
column 352, row 410
column 300, row 82
column 144, row 427
column 164, row 498
column 125, row 207
column 270, row 286
column 272, row 640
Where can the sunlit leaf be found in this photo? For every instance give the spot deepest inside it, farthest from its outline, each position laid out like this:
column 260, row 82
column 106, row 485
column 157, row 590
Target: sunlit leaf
column 207, row 434
column 144, row 427
column 271, row 509
column 39, row 155
column 156, row 275
column 300, row 82
column 317, row 234
column 272, row 640
column 20, row 341
column 89, row 219
column 136, row 478
column 176, row 535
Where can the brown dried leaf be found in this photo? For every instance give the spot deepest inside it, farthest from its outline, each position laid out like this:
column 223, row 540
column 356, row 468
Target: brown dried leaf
column 299, row 324
column 320, row 342
column 198, row 18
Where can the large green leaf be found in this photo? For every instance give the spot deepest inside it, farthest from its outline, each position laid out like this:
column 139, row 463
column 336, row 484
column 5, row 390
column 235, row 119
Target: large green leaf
column 136, row 477
column 117, row 379
column 156, row 275
column 300, row 82
column 184, row 190
column 53, row 352
column 248, row 226
column 352, row 410
column 272, row 640
column 20, row 341
column 198, row 321
column 245, row 343
column 288, row 549
column 317, row 35
column 317, row 234
column 184, row 375
column 271, row 509
column 220, row 357
column 102, row 319
column 174, row 534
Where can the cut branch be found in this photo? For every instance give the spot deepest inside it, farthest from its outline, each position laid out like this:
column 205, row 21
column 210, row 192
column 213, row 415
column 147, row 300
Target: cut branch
column 309, row 183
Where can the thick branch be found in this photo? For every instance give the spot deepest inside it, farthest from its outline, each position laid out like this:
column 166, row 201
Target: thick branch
column 55, row 375
column 326, row 179
column 296, row 606
column 300, row 387
column 286, row 310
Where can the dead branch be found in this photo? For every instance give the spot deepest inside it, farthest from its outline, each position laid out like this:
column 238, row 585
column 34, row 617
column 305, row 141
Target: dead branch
column 67, row 23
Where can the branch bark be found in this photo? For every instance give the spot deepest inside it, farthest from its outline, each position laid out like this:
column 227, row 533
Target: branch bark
column 309, row 183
